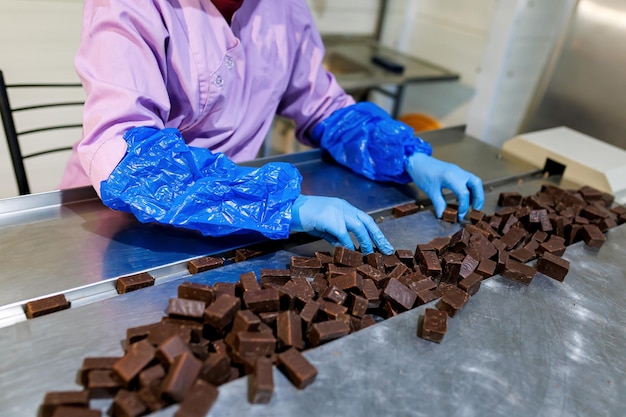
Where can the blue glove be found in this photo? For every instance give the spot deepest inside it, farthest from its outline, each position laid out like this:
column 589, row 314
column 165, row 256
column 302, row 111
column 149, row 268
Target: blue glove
column 432, row 175
column 332, row 218
column 364, row 138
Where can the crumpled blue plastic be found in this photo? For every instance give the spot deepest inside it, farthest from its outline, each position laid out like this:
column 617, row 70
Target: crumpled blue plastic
column 162, row 179
column 364, row 138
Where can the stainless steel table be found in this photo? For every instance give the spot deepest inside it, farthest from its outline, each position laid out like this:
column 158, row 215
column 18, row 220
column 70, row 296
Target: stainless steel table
column 549, row 349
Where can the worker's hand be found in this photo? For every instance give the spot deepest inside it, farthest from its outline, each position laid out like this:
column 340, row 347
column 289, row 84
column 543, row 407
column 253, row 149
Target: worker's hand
column 332, row 218
column 432, row 176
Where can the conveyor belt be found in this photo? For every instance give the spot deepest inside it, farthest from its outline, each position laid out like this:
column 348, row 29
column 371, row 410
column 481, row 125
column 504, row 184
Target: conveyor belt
column 549, row 349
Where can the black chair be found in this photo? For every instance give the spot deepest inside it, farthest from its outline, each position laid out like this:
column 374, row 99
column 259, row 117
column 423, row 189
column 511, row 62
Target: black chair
column 39, row 93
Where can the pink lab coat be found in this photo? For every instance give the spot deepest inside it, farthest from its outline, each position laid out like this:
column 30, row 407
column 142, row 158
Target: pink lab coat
column 177, row 63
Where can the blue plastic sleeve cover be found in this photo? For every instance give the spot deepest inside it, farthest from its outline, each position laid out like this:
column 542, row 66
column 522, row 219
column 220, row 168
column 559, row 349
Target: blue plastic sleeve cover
column 364, row 138
column 162, row 179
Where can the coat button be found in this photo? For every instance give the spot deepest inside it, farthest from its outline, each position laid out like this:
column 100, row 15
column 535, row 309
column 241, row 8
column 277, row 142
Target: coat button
column 229, row 62
column 217, row 80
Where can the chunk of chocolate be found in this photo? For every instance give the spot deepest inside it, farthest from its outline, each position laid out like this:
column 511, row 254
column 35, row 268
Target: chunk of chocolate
column 309, row 312
column 350, row 281
column 138, row 356
column 228, row 288
column 593, row 236
column 434, row 325
column 186, row 309
column 450, row 214
column 357, row 305
column 151, row 375
column 243, row 254
column 430, row 264
column 128, row 404
column 451, row 267
column 513, row 237
column 102, row 384
column 222, row 311
column 215, row 369
column 181, row 376
column 404, row 210
column 46, row 305
column 95, row 363
column 475, row 216
column 296, row 368
column 519, row 272
column 376, row 275
column 486, row 268
column 332, row 310
column 522, row 254
column 276, row 276
column 134, row 282
column 248, row 282
column 262, row 300
column 169, row 350
column 334, row 294
column 376, row 260
column 65, row 411
column 509, row 199
column 301, row 266
column 459, row 241
column 289, row 330
column 371, row 293
column 400, row 294
column 553, row 266
column 255, row 343
column 471, row 284
column 205, row 263
column 196, row 291
column 55, row 399
column 468, row 266
column 198, row 401
column 326, row 331
column 261, row 382
column 453, row 301
column 347, row 257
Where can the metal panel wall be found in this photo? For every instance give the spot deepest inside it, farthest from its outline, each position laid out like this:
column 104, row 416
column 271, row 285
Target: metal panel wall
column 585, row 88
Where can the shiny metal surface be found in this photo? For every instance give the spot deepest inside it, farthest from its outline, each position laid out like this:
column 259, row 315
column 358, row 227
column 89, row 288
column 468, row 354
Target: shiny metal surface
column 579, row 90
column 69, row 242
column 549, row 349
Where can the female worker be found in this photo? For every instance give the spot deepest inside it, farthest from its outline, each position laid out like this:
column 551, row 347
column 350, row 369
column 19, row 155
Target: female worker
column 176, row 89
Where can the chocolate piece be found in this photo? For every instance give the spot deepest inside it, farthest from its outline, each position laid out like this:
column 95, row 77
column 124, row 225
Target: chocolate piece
column 554, row 245
column 351, row 281
column 440, row 244
column 404, row 210
column 301, row 266
column 593, row 236
column 262, row 300
column 245, row 321
column 186, row 309
column 430, row 264
column 151, row 375
column 276, row 276
column 332, row 310
column 606, row 224
column 471, row 284
column 228, row 288
column 486, row 268
column 151, row 397
column 468, row 266
column 308, row 313
column 519, row 272
column 553, row 266
column 434, row 325
column 376, row 260
column 483, row 246
column 400, row 294
column 453, row 301
column 398, row 271
column 198, row 401
column 451, row 267
column 133, row 282
column 170, row 349
column 522, row 254
column 513, row 237
column 450, row 214
column 422, row 285
column 222, row 311
column 376, row 275
column 181, row 377
column 324, row 257
column 139, row 355
column 215, row 369
column 135, row 334
column 255, row 343
column 491, row 233
column 248, row 282
column 96, row 363
column 243, row 254
column 510, row 222
column 46, row 306
column 296, row 368
column 406, row 256
column 289, row 330
column 261, row 382
column 65, row 411
column 128, row 404
column 390, row 262
column 55, row 399
column 334, row 294
column 326, row 331
column 205, row 263
column 319, row 283
column 459, row 241
column 509, row 199
column 357, row 305
column 347, row 257
column 195, row 291
column 334, row 271
column 371, row 293
column 426, row 296
column 102, row 384
column 476, row 215
column 160, row 332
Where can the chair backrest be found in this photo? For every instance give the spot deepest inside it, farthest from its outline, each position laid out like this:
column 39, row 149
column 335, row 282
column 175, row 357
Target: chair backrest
column 14, row 135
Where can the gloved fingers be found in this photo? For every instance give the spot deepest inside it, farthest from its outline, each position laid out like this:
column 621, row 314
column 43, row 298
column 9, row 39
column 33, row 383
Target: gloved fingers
column 339, row 230
column 475, row 186
column 375, row 235
column 437, row 200
column 327, row 237
column 355, row 221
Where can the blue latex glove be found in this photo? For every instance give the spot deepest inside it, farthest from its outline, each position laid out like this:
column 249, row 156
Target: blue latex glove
column 332, row 218
column 432, row 175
